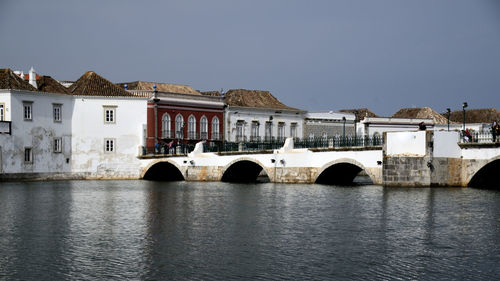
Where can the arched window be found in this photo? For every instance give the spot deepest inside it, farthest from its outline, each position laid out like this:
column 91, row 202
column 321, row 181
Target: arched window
column 179, row 127
column 203, row 128
column 165, row 131
column 192, row 127
column 215, row 128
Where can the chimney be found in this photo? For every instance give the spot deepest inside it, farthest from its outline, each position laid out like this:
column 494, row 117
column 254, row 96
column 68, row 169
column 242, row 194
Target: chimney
column 32, row 80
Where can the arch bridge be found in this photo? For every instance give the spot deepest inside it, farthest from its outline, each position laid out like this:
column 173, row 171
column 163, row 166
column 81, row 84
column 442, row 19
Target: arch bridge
column 422, row 158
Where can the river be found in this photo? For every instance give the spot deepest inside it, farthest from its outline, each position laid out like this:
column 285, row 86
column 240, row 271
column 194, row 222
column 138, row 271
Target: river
column 145, row 230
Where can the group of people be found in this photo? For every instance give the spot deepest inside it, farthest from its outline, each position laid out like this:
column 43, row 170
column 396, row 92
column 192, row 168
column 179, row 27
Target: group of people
column 495, row 130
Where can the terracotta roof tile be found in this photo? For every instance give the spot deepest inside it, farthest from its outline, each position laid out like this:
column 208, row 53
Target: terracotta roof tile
column 49, row 85
column 212, row 93
column 9, row 80
column 254, row 98
column 421, row 112
column 361, row 113
column 486, row 115
column 161, row 87
column 91, row 84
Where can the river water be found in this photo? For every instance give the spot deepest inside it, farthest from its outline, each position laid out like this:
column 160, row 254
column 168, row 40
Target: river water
column 144, row 230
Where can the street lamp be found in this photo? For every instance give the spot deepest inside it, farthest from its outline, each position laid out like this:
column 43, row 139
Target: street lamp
column 155, row 100
column 355, row 129
column 449, row 112
column 343, row 130
column 464, row 106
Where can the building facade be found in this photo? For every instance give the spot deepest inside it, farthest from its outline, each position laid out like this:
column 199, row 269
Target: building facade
column 257, row 116
column 177, row 115
column 329, row 124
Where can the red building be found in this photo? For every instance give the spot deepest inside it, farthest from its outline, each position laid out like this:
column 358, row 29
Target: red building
column 178, row 114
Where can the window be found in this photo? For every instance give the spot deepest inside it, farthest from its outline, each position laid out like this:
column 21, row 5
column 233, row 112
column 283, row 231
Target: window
column 109, row 114
column 109, row 145
column 215, row 128
column 179, row 127
column 28, row 155
column 57, row 145
column 239, row 130
column 293, row 130
column 191, row 127
column 203, row 128
column 2, row 111
column 28, row 110
column 324, row 136
column 269, row 132
column 166, row 132
column 311, row 136
column 281, row 130
column 255, row 131
column 56, row 109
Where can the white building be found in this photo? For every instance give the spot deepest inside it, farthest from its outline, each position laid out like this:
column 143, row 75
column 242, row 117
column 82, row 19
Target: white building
column 253, row 115
column 92, row 130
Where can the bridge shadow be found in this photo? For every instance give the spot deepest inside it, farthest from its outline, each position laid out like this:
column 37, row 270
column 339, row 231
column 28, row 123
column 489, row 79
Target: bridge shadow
column 487, row 177
column 245, row 172
column 343, row 174
column 163, row 171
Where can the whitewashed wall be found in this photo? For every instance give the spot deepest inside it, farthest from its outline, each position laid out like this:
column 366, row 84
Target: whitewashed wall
column 39, row 133
column 406, row 143
column 90, row 131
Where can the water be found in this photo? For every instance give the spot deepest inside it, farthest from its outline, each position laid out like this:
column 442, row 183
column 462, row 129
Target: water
column 141, row 230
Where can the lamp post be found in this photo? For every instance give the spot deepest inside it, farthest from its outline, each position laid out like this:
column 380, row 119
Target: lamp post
column 343, row 129
column 155, row 100
column 355, row 129
column 449, row 112
column 464, row 106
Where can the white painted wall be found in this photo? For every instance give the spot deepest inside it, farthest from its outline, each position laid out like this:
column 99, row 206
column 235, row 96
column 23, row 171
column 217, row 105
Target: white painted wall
column 90, row 131
column 233, row 114
column 446, row 144
column 39, row 133
column 406, row 143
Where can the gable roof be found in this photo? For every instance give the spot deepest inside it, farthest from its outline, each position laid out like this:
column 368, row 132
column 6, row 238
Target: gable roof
column 160, row 87
column 49, row 85
column 485, row 115
column 421, row 112
column 91, row 84
column 10, row 80
column 254, row 98
column 361, row 113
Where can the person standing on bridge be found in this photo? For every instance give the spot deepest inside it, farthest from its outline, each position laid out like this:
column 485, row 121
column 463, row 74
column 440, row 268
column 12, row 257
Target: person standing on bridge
column 495, row 130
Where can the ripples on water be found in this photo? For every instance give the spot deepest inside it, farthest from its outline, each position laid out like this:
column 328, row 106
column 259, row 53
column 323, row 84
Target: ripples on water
column 117, row 230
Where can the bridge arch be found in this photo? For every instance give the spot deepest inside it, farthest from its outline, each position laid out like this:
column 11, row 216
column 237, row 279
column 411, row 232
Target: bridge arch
column 162, row 170
column 341, row 172
column 487, row 175
column 244, row 169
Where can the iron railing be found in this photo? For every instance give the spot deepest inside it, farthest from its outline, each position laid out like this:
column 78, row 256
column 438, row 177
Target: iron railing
column 333, row 142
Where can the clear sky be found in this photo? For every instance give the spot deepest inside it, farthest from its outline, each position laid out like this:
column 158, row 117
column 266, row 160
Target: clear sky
column 314, row 55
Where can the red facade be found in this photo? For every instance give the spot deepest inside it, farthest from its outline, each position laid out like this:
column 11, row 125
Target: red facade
column 185, row 122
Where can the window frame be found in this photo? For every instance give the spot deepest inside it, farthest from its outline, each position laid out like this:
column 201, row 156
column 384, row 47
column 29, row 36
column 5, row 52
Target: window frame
column 166, row 125
column 28, row 155
column 203, row 127
column 179, row 126
column 191, row 127
column 57, row 117
column 111, row 119
column 27, row 114
column 215, row 128
column 57, row 145
column 2, row 111
column 109, row 145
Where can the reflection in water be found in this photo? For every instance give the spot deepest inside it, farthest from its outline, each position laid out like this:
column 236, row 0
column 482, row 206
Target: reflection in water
column 116, row 230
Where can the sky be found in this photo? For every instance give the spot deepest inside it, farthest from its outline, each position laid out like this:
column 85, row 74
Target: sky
column 314, row 55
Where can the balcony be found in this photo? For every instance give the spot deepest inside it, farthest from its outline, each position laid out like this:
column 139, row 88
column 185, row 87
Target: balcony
column 6, row 127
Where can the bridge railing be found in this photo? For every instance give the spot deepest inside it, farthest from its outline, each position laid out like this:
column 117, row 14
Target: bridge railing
column 478, row 137
column 271, row 144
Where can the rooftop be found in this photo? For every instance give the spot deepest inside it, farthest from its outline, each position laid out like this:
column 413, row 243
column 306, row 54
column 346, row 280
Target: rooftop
column 160, row 87
column 91, row 84
column 254, row 98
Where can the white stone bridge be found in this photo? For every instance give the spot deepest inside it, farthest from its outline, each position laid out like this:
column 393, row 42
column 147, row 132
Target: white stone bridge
column 406, row 159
